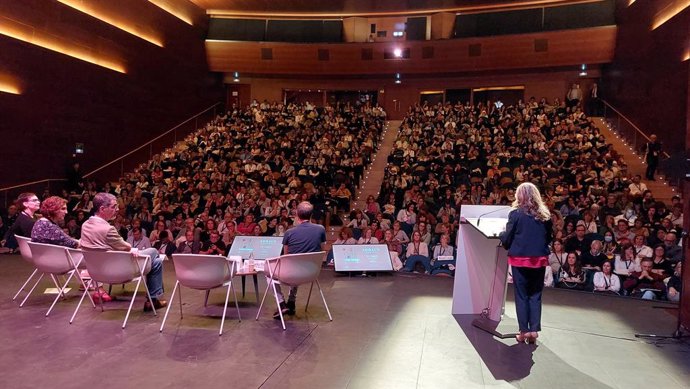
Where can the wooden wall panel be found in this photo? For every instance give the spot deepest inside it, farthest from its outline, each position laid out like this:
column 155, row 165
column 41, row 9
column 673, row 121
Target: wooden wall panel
column 647, row 80
column 573, row 47
column 65, row 100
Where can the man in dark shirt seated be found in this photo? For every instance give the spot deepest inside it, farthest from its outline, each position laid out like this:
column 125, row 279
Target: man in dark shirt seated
column 213, row 246
column 593, row 258
column 577, row 243
column 645, row 284
column 592, row 261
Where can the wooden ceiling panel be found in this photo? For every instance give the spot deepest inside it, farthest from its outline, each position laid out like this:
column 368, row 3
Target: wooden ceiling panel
column 318, row 8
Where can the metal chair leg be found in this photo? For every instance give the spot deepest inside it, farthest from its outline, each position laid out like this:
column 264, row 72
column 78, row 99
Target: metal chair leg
column 324, row 301
column 32, row 289
column 25, row 283
column 172, row 298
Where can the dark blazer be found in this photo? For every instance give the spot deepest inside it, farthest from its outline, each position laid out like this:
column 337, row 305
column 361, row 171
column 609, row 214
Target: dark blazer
column 525, row 236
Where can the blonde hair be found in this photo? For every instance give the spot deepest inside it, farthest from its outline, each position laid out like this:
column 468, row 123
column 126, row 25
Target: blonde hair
column 527, row 198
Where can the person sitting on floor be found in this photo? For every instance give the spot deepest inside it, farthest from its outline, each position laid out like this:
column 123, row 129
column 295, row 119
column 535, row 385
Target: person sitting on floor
column 605, row 281
column 417, row 252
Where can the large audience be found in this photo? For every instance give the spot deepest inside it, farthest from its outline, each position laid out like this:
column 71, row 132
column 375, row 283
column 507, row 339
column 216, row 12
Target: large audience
column 242, row 174
column 245, row 172
column 611, row 235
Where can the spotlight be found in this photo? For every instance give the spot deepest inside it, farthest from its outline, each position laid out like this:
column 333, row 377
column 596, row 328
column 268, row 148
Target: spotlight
column 397, row 52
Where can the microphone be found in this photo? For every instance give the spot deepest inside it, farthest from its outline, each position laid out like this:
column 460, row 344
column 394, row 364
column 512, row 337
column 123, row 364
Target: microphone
column 488, row 213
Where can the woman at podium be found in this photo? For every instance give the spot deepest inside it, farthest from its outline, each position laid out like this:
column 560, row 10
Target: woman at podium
column 527, row 238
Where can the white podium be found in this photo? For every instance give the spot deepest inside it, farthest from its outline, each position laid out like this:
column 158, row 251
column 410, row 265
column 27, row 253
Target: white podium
column 482, row 268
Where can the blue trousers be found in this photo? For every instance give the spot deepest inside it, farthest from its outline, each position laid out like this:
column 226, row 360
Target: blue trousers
column 154, row 280
column 414, row 259
column 528, row 283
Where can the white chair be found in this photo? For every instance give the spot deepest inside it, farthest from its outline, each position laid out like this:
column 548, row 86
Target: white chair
column 203, row 272
column 116, row 267
column 25, row 251
column 294, row 270
column 55, row 261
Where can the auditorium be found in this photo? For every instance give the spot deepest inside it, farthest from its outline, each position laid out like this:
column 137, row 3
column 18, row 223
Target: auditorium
column 345, row 194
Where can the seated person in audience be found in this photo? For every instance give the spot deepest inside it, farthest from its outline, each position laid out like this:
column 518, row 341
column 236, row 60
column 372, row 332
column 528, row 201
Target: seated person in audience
column 158, row 228
column 417, row 252
column 557, row 258
column 572, row 276
column 645, row 284
column 594, row 257
column 358, row 223
column 622, row 231
column 164, row 245
column 674, row 252
column 626, row 262
column 97, row 234
column 209, row 226
column 394, row 249
column 605, row 281
column 642, row 250
column 367, row 237
column 676, row 216
column 610, row 247
column 440, row 262
column 384, row 223
column 675, row 284
column 246, row 227
column 399, row 234
column 661, row 265
column 345, row 236
column 47, row 229
column 137, row 240
column 188, row 226
column 578, row 243
column 637, row 187
column 213, row 246
column 189, row 245
column 423, row 229
column 376, row 231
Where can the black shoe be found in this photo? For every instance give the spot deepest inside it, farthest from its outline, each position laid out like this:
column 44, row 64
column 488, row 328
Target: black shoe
column 282, row 308
column 291, row 307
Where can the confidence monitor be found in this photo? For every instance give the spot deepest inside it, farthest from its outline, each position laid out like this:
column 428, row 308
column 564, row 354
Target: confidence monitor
column 362, row 257
column 261, row 246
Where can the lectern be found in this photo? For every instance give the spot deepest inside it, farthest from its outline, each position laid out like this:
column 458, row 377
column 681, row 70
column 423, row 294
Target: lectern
column 482, row 268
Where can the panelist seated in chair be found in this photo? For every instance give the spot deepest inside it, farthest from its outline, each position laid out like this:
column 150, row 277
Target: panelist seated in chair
column 46, row 229
column 305, row 237
column 417, row 252
column 97, row 234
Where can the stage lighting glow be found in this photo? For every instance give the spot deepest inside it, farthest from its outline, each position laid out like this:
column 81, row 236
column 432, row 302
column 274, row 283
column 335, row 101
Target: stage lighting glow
column 397, row 52
column 120, row 22
column 173, row 9
column 668, row 12
column 6, row 87
column 28, row 34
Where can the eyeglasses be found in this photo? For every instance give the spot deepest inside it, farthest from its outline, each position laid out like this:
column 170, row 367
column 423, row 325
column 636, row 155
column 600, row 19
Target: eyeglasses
column 34, row 200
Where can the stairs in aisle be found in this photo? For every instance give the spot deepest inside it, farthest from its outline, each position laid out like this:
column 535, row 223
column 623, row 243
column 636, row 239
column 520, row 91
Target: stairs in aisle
column 661, row 189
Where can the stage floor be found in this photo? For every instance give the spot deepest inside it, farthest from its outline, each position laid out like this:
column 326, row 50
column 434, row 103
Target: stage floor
column 392, row 331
